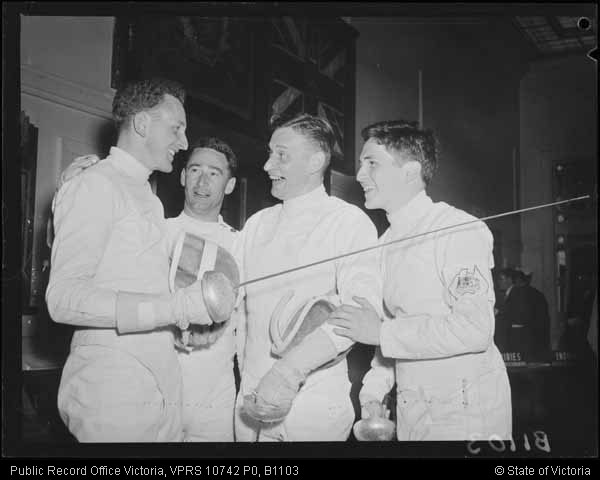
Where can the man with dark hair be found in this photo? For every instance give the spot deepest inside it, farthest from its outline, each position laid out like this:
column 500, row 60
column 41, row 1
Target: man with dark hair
column 527, row 310
column 207, row 367
column 436, row 343
column 295, row 383
column 138, row 96
column 109, row 278
column 406, row 136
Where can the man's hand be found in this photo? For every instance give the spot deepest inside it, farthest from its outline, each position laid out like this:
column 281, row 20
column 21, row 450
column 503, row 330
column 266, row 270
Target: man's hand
column 360, row 324
column 206, row 335
column 76, row 167
column 273, row 397
column 374, row 409
column 189, row 307
column 375, row 424
column 275, row 393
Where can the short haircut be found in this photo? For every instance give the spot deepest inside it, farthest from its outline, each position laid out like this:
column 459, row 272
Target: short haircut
column 521, row 276
column 217, row 145
column 406, row 137
column 316, row 129
column 509, row 273
column 143, row 95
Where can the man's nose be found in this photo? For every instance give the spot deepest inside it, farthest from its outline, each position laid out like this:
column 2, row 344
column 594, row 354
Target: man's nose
column 183, row 142
column 203, row 178
column 269, row 164
column 361, row 174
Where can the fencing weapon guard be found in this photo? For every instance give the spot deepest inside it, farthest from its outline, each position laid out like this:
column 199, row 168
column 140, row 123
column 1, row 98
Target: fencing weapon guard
column 196, row 258
column 375, row 429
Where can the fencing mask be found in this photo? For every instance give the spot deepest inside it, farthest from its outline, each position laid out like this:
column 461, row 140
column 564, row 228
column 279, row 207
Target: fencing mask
column 290, row 325
column 197, row 258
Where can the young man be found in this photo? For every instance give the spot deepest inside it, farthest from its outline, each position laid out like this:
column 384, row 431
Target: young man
column 208, row 376
column 291, row 396
column 109, row 278
column 436, row 342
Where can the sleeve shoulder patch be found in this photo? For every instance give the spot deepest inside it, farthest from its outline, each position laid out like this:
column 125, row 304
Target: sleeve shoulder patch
column 468, row 281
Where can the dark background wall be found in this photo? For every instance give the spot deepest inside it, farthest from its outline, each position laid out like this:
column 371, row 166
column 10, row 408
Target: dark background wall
column 470, row 71
column 559, row 125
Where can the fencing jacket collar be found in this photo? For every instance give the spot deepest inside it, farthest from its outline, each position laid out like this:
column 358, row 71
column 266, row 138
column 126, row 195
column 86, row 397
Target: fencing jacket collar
column 307, row 200
column 403, row 219
column 129, row 165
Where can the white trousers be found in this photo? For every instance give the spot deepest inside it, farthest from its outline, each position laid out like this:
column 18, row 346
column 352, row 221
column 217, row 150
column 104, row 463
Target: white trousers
column 208, row 403
column 481, row 410
column 316, row 417
column 107, row 395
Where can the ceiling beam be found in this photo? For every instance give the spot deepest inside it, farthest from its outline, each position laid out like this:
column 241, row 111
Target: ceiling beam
column 555, row 25
column 530, row 49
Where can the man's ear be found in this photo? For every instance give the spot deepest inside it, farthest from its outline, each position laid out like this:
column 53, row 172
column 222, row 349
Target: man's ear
column 413, row 171
column 317, row 162
column 230, row 186
column 141, row 123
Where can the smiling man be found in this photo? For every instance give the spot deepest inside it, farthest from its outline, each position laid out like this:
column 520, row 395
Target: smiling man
column 298, row 393
column 208, row 375
column 436, row 343
column 109, row 278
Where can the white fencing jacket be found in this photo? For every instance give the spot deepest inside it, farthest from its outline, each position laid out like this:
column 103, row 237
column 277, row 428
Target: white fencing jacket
column 439, row 295
column 215, row 361
column 110, row 235
column 305, row 229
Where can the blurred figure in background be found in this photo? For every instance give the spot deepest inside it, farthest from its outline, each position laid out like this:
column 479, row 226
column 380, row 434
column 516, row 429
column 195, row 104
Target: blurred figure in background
column 523, row 321
column 534, row 316
column 504, row 285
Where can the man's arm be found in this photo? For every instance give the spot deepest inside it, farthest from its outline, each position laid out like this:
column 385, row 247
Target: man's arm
column 357, row 275
column 379, row 380
column 469, row 295
column 83, row 217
